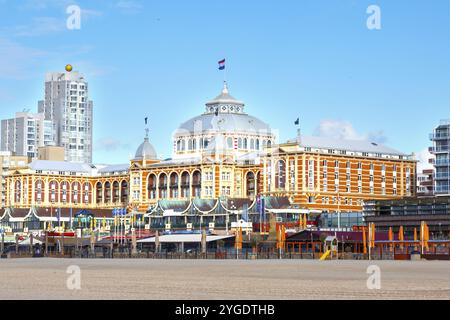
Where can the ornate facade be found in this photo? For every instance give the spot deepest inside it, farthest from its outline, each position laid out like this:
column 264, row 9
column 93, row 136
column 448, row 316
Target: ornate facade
column 224, row 153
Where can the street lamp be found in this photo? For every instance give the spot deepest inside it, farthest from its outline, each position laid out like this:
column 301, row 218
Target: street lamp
column 233, row 209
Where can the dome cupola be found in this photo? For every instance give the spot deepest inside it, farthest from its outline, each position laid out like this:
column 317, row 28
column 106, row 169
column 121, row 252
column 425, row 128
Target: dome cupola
column 224, row 103
column 146, row 151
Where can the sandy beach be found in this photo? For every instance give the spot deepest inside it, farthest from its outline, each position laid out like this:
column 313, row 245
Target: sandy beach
column 222, row 279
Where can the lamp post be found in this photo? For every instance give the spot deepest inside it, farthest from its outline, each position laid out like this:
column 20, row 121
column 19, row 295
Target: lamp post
column 227, row 220
column 233, row 209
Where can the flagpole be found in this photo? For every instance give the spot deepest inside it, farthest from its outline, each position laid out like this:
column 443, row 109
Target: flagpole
column 225, row 74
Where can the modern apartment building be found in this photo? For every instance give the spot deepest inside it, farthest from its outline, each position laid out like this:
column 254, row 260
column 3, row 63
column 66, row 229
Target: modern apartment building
column 425, row 182
column 67, row 105
column 25, row 133
column 441, row 150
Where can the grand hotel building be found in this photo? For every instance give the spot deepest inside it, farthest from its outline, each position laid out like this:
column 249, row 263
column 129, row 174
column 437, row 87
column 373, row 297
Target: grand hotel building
column 222, row 160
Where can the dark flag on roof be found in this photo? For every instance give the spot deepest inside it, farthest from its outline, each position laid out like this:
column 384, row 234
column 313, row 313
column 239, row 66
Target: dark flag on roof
column 222, row 64
column 297, row 122
column 146, row 120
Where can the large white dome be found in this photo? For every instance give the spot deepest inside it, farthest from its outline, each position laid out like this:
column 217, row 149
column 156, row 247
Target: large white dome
column 224, row 114
column 223, row 120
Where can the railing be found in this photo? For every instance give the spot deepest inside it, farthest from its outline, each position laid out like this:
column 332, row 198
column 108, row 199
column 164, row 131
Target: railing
column 442, row 176
column 445, row 162
column 439, row 136
column 440, row 149
column 442, row 189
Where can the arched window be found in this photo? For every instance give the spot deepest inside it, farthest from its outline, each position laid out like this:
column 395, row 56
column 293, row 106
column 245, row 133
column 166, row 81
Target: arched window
column 230, row 143
column 179, row 145
column 162, row 185
column 107, row 192
column 76, row 192
column 173, row 185
column 250, row 184
column 196, row 184
column 201, row 144
column 124, row 191
column 257, row 144
column 190, row 144
column 245, row 145
column 64, row 192
column 240, row 143
column 185, row 184
column 151, row 186
column 252, row 144
column 86, row 193
column 99, row 192
column 115, row 192
column 183, row 145
column 269, row 143
column 194, row 144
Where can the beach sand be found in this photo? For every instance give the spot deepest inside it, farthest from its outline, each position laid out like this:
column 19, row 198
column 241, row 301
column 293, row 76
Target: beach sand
column 222, row 279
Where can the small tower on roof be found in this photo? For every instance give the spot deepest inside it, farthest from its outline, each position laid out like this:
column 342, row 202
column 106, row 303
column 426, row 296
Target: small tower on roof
column 146, row 151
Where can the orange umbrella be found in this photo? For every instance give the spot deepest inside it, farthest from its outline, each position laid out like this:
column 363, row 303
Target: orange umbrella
column 401, row 236
column 305, row 222
column 391, row 237
column 364, row 240
column 427, row 235
column 415, row 238
column 238, row 239
column 424, row 234
column 372, row 238
column 281, row 236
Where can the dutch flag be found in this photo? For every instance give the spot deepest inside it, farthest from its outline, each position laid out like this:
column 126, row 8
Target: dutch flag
column 222, row 64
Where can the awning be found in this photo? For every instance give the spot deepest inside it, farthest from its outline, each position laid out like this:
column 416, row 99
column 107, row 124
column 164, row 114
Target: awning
column 185, row 238
column 301, row 211
column 172, row 213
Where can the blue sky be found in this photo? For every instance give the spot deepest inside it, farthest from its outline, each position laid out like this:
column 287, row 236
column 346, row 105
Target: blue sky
column 315, row 60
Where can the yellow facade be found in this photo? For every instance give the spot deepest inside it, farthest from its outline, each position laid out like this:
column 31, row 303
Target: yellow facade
column 333, row 182
column 310, row 180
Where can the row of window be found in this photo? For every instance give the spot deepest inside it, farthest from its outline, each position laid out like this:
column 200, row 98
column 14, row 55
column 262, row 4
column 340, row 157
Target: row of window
column 240, row 143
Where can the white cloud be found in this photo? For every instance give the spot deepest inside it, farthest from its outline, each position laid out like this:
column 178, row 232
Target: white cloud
column 39, row 26
column 93, row 70
column 17, row 60
column 45, row 4
column 110, row 144
column 423, row 157
column 129, row 6
column 340, row 129
column 88, row 13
